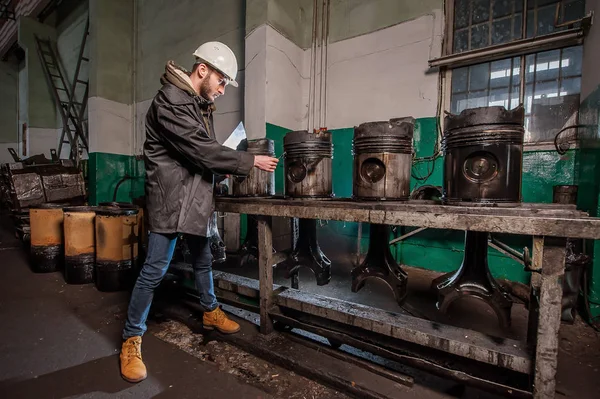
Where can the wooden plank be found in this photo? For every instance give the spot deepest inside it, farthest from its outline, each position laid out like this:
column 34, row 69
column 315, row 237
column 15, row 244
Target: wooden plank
column 500, row 352
column 494, row 220
column 546, row 352
column 265, row 267
column 505, row 353
column 522, row 209
column 534, row 292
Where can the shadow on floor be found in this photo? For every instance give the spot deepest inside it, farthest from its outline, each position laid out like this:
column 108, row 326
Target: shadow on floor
column 76, row 380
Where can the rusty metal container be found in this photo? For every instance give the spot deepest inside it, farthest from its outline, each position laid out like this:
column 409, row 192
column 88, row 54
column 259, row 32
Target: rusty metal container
column 258, row 183
column 80, row 244
column 383, row 159
column 307, row 165
column 46, row 226
column 483, row 155
column 564, row 194
column 117, row 234
column 142, row 232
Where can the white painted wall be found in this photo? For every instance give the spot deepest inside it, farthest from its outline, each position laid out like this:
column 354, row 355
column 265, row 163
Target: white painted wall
column 255, row 88
column 383, row 74
column 287, row 80
column 40, row 141
column 377, row 76
column 110, row 126
column 5, row 156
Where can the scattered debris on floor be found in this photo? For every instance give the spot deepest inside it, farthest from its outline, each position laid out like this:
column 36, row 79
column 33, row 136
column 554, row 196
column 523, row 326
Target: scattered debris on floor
column 272, row 379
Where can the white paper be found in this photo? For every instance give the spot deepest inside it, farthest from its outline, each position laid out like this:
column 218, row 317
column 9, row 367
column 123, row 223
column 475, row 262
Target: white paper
column 235, row 138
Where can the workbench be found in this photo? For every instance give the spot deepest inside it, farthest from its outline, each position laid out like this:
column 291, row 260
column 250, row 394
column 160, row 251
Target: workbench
column 549, row 224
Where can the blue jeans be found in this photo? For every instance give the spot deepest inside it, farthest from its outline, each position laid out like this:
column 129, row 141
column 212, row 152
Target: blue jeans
column 160, row 253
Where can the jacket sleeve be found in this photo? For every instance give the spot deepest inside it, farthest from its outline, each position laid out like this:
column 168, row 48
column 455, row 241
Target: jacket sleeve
column 184, row 135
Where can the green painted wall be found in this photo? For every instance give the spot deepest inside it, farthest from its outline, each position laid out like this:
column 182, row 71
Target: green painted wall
column 106, row 170
column 439, row 250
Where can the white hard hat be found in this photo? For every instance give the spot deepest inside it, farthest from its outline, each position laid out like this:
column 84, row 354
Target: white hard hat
column 220, row 57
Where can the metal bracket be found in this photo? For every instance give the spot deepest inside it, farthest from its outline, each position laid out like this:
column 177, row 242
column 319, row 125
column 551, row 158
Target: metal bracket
column 14, row 154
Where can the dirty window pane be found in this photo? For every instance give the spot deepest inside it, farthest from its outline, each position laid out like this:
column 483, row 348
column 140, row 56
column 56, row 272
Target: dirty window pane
column 459, row 80
column 517, row 21
column 459, row 102
column 551, row 99
column 479, row 36
column 478, row 99
column 479, row 77
column 495, row 15
column 571, row 61
column 461, row 14
column 570, row 86
column 461, row 41
column 501, row 31
column 552, row 92
column 501, row 73
column 502, row 8
column 480, row 11
column 572, row 10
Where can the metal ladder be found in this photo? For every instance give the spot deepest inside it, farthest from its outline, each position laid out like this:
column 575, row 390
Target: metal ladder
column 71, row 110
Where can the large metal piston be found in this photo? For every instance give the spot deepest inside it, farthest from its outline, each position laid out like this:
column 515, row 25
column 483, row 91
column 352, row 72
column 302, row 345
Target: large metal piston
column 258, row 183
column 483, row 155
column 383, row 159
column 307, row 164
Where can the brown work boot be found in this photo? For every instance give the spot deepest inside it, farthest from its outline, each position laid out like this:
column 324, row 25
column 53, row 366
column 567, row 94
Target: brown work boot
column 219, row 320
column 132, row 366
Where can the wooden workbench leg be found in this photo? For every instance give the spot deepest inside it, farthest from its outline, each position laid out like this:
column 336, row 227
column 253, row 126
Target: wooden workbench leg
column 546, row 348
column 534, row 290
column 265, row 270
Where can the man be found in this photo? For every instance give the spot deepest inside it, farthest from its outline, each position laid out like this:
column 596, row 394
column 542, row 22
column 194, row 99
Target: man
column 181, row 159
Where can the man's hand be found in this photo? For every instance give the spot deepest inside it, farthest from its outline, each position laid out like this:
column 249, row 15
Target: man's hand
column 265, row 162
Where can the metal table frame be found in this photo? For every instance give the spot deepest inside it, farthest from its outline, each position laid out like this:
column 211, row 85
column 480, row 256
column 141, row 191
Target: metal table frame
column 549, row 225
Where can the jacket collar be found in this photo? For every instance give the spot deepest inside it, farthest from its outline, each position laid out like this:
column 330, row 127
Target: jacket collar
column 179, row 89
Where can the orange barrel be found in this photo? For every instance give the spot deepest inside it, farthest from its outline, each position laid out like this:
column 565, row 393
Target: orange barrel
column 116, row 247
column 46, row 226
column 79, row 244
column 141, row 226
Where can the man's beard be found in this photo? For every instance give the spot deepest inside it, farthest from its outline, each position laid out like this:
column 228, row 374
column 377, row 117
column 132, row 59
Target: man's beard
column 205, row 87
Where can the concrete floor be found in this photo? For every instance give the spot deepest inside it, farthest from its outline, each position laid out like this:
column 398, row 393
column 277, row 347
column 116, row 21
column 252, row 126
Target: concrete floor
column 59, row 341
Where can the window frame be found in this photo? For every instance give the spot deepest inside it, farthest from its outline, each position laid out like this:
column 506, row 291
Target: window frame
column 446, row 70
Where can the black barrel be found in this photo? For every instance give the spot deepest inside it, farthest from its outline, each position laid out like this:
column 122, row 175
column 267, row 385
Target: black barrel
column 483, row 150
column 46, row 226
column 80, row 244
column 383, row 159
column 116, row 247
column 258, row 183
column 307, row 165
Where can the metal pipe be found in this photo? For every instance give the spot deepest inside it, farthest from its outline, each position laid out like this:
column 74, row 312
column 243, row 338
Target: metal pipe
column 551, row 41
column 412, row 233
column 502, row 251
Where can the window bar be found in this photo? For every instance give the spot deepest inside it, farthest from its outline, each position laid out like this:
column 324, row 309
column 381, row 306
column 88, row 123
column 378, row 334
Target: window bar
column 510, row 82
column 489, row 85
column 470, row 24
column 490, row 24
column 560, row 77
column 523, row 66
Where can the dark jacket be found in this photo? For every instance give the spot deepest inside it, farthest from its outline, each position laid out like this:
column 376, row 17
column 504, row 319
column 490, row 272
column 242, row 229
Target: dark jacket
column 181, row 158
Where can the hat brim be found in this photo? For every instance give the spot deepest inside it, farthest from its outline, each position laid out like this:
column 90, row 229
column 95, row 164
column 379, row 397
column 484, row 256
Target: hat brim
column 233, row 83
